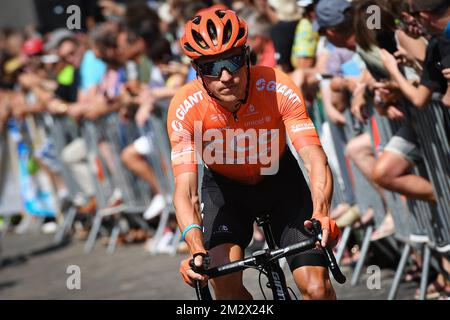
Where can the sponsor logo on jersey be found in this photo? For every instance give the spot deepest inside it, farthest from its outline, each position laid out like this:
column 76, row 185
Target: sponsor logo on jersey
column 254, row 123
column 302, row 127
column 222, row 229
column 251, row 110
column 218, row 117
column 184, row 108
column 177, row 126
column 273, row 86
column 187, row 104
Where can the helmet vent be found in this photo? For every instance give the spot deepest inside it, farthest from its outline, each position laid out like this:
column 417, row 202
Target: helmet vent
column 196, row 20
column 199, row 39
column 220, row 14
column 188, row 47
column 227, row 32
column 241, row 33
column 212, row 31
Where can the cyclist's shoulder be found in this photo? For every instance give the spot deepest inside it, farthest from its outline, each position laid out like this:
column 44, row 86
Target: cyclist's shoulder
column 270, row 79
column 188, row 95
column 275, row 86
column 268, row 73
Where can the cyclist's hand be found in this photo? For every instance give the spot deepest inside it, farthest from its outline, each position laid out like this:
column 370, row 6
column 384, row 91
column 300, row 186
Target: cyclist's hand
column 330, row 231
column 188, row 275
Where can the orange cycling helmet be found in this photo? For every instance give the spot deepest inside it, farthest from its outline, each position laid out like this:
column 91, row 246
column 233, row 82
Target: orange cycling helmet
column 213, row 32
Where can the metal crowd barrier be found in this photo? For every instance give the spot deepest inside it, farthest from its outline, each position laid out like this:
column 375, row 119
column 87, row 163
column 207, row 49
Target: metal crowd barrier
column 115, row 134
column 155, row 131
column 418, row 223
column 62, row 130
column 432, row 128
column 135, row 193
column 363, row 193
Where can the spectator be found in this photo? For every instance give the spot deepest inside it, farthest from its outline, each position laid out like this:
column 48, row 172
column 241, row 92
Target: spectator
column 260, row 42
column 306, row 38
column 283, row 31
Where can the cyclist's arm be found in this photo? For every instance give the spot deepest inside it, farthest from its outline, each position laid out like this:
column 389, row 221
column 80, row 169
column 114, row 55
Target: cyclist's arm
column 186, row 202
column 321, row 179
column 184, row 164
column 304, row 138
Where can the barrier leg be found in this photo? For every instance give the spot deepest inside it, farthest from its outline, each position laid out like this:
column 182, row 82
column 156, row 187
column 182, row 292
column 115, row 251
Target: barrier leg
column 160, row 231
column 399, row 272
column 114, row 236
column 343, row 243
column 68, row 221
column 364, row 250
column 425, row 271
column 176, row 241
column 93, row 234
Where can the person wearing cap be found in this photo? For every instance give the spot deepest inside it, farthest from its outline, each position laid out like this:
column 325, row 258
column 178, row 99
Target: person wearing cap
column 33, row 46
column 228, row 96
column 334, row 21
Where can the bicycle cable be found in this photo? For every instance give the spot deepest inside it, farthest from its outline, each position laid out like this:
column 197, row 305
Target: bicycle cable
column 292, row 291
column 278, row 256
column 275, row 258
column 260, row 285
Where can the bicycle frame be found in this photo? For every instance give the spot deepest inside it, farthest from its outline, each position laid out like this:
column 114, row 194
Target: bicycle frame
column 275, row 274
column 267, row 260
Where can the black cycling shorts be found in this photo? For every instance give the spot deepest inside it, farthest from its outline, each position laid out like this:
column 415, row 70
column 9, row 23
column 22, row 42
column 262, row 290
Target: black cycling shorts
column 229, row 209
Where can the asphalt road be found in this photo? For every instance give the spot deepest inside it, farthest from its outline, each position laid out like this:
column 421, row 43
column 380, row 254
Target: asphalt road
column 32, row 268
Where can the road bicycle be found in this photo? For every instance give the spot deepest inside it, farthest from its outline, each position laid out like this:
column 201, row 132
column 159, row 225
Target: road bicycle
column 266, row 261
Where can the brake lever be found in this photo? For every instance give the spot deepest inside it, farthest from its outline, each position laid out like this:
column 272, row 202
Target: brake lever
column 203, row 293
column 331, row 260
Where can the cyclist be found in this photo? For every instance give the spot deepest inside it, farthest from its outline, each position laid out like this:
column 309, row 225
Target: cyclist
column 234, row 117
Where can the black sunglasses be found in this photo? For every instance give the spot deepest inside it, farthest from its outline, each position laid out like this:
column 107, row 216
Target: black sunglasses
column 214, row 68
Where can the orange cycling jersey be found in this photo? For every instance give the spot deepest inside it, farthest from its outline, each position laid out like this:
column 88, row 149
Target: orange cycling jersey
column 244, row 145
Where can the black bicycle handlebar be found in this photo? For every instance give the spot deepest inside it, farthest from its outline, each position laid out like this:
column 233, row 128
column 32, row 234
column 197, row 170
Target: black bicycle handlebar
column 331, row 260
column 262, row 257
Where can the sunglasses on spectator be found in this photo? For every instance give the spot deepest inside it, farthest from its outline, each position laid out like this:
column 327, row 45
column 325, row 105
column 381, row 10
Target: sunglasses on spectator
column 213, row 69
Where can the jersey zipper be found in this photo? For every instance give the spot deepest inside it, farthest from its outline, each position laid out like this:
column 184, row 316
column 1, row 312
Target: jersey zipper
column 236, row 119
